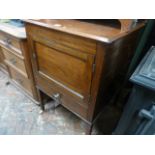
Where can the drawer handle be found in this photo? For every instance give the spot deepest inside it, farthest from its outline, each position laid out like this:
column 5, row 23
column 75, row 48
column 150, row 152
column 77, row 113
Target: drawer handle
column 7, row 41
column 13, row 61
column 56, row 97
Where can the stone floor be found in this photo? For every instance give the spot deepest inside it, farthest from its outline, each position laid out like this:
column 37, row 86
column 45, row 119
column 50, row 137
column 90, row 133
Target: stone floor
column 20, row 116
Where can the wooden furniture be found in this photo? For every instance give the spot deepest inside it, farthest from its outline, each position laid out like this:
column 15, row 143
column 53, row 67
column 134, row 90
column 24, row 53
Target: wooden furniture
column 14, row 58
column 3, row 66
column 76, row 61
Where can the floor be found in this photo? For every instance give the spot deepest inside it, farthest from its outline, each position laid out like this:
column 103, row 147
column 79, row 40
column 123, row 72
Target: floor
column 20, row 116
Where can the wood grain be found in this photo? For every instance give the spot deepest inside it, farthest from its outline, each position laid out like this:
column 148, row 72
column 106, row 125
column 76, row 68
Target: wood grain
column 98, row 32
column 69, row 70
column 75, row 62
column 21, row 80
column 16, row 58
column 15, row 61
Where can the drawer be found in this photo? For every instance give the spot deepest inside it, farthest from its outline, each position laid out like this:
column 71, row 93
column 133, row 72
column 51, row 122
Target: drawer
column 1, row 56
column 13, row 60
column 10, row 42
column 2, row 63
column 21, row 80
column 60, row 40
column 65, row 99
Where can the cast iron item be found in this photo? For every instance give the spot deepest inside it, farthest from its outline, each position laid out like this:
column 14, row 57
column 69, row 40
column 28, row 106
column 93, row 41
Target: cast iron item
column 139, row 113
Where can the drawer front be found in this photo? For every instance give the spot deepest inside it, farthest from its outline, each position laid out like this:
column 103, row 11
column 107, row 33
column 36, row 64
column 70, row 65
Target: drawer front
column 21, row 80
column 15, row 61
column 10, row 42
column 2, row 63
column 57, row 39
column 1, row 56
column 64, row 98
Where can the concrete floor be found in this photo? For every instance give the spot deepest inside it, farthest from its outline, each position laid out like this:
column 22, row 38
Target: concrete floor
column 20, row 116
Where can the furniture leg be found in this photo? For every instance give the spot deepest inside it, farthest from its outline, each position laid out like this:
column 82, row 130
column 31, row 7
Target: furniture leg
column 88, row 129
column 42, row 105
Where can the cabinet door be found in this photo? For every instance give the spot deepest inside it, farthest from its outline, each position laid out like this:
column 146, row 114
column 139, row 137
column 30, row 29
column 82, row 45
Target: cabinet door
column 69, row 68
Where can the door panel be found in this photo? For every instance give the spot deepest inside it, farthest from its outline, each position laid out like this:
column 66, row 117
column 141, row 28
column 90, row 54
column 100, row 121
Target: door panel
column 71, row 71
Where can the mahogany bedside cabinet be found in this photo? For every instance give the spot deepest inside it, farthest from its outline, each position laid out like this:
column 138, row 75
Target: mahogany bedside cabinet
column 75, row 61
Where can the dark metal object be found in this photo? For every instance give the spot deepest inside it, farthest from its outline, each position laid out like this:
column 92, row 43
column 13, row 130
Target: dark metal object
column 140, row 47
column 148, row 125
column 139, row 113
column 17, row 22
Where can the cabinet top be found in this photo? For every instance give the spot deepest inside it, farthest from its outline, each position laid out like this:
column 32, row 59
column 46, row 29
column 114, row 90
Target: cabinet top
column 100, row 30
column 18, row 32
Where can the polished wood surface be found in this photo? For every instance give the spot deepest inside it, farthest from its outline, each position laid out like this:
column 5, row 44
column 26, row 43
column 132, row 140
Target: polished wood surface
column 99, row 32
column 75, row 65
column 21, row 80
column 2, row 63
column 15, row 61
column 10, row 42
column 61, row 40
column 70, row 70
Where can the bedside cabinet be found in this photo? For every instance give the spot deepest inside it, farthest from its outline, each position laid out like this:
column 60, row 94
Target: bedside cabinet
column 75, row 61
column 15, row 57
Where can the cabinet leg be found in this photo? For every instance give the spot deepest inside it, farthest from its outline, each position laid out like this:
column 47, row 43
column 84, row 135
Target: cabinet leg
column 88, row 129
column 42, row 105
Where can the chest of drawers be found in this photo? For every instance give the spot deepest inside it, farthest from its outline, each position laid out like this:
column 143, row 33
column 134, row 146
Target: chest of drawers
column 75, row 62
column 15, row 58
